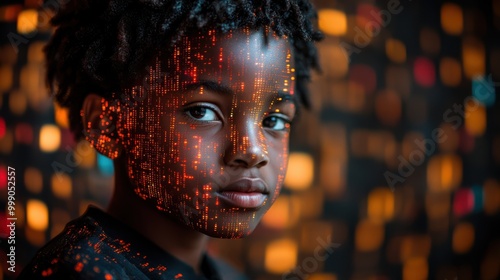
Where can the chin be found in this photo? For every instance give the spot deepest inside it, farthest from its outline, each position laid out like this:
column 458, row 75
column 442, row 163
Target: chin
column 230, row 227
column 228, row 233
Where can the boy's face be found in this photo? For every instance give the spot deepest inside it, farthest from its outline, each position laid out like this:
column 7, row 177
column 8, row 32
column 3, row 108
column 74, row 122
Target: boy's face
column 208, row 142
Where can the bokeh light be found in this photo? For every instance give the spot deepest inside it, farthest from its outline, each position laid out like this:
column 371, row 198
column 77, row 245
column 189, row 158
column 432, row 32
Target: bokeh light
column 369, row 235
column 332, row 22
column 450, row 72
column 50, row 138
column 452, row 19
column 473, row 57
column 475, row 122
column 37, row 215
column 444, row 172
column 61, row 185
column 27, row 21
column 300, row 171
column 424, row 72
column 381, row 205
column 463, row 237
column 281, row 255
column 395, row 50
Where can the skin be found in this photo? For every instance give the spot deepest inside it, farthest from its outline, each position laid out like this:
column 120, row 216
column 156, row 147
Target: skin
column 217, row 110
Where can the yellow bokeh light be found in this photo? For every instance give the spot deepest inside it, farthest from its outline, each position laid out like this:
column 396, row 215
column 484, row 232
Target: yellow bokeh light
column 333, row 163
column 33, row 180
column 281, row 256
column 299, row 175
column 336, row 60
column 395, row 50
column 27, row 21
column 463, row 238
column 61, row 115
column 452, row 18
column 381, row 205
column 50, row 138
column 37, row 215
column 473, row 57
column 6, row 77
column 7, row 142
column 444, row 172
column 415, row 269
column 61, row 185
column 278, row 216
column 369, row 235
column 32, row 83
column 450, row 71
column 475, row 121
column 86, row 153
column 332, row 22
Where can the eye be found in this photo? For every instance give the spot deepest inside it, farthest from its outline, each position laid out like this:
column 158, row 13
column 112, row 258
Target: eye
column 202, row 113
column 276, row 123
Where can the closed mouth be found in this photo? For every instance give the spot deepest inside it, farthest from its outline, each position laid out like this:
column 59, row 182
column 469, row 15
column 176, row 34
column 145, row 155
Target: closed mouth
column 245, row 193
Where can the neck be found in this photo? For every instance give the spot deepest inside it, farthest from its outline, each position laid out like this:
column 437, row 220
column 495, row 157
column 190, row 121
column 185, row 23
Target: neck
column 177, row 239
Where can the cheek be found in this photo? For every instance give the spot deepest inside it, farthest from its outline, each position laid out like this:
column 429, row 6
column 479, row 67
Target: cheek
column 199, row 153
column 278, row 151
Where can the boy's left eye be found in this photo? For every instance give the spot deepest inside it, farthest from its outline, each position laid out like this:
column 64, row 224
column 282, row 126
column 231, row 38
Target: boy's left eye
column 276, row 123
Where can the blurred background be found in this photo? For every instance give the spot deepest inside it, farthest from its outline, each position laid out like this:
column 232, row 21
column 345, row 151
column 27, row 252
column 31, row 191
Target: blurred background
column 394, row 173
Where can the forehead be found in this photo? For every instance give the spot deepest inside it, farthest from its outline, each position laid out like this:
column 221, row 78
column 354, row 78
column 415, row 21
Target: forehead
column 229, row 58
column 245, row 43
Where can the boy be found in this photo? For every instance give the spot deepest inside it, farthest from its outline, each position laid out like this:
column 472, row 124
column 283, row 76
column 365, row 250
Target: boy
column 193, row 100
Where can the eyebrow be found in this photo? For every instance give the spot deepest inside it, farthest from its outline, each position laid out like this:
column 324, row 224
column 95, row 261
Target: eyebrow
column 210, row 85
column 278, row 97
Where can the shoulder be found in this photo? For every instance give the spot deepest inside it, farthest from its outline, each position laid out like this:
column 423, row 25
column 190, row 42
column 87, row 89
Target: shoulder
column 79, row 252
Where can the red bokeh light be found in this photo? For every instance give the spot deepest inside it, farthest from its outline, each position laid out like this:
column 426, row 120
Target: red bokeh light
column 424, row 72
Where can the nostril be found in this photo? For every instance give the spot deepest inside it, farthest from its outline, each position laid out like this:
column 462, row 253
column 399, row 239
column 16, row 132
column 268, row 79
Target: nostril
column 240, row 162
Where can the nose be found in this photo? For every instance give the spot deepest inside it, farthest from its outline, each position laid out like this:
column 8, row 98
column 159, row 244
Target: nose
column 246, row 147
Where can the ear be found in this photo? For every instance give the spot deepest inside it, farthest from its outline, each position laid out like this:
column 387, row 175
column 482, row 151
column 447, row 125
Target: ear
column 99, row 120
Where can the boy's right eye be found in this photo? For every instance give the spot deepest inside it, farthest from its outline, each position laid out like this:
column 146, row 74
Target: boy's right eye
column 202, row 113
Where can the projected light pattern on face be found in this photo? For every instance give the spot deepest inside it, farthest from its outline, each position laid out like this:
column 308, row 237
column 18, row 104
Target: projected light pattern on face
column 207, row 142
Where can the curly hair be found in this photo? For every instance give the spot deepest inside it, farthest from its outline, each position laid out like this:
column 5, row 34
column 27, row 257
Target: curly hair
column 105, row 46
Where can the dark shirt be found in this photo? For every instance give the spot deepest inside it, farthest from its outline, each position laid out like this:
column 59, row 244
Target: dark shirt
column 97, row 246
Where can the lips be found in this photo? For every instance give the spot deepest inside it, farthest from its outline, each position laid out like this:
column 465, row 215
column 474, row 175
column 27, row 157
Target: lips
column 245, row 193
